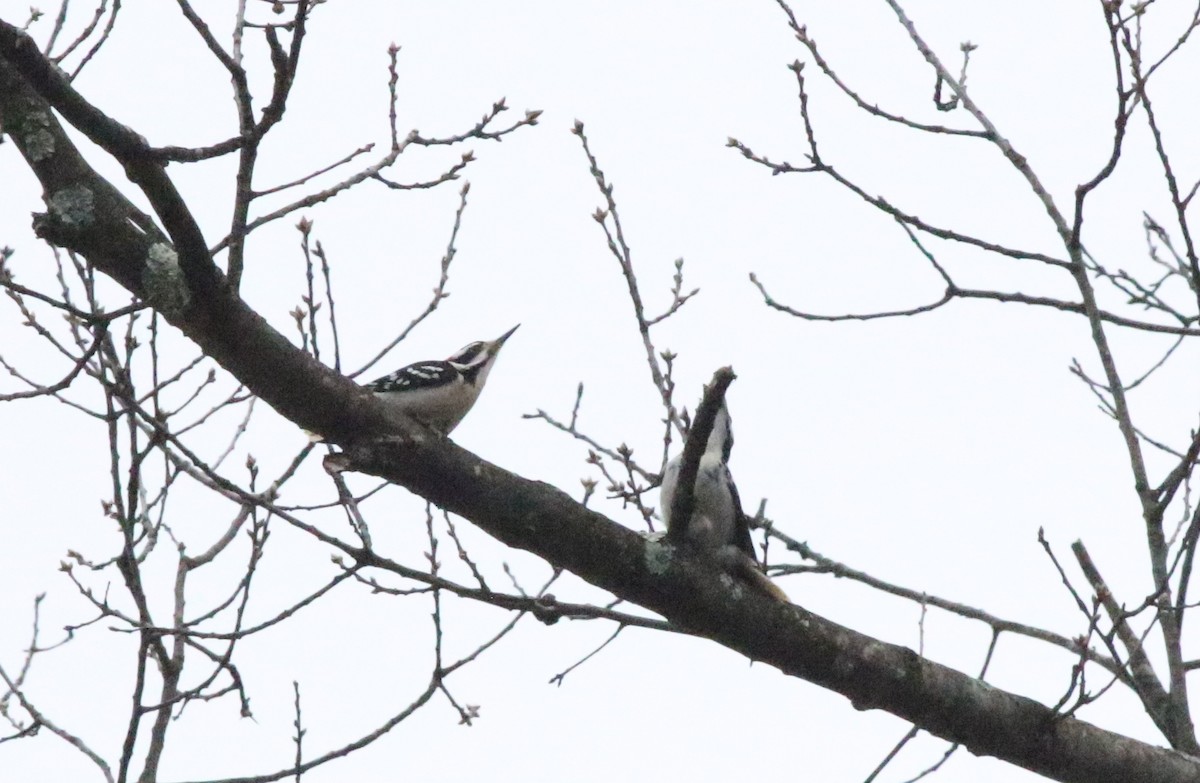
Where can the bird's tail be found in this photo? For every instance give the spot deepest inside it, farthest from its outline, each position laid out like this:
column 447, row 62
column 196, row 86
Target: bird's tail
column 750, row 573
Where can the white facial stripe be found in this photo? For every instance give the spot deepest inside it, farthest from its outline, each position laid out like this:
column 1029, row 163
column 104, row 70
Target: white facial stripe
column 470, row 354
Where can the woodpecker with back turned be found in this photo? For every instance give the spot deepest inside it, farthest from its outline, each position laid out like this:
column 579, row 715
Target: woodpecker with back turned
column 717, row 526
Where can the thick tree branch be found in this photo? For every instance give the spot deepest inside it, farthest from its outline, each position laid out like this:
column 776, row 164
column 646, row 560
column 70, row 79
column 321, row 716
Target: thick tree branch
column 872, row 674
column 88, row 215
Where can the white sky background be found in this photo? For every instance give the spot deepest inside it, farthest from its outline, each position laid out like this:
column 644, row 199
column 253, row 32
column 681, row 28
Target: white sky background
column 926, row 451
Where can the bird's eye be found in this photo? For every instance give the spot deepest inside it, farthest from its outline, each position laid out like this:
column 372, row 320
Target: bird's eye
column 468, row 353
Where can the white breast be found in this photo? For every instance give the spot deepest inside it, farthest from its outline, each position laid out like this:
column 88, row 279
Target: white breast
column 713, row 516
column 441, row 408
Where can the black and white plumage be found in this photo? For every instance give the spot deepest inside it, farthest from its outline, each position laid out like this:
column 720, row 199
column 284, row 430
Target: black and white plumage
column 441, row 393
column 718, row 527
column 717, row 520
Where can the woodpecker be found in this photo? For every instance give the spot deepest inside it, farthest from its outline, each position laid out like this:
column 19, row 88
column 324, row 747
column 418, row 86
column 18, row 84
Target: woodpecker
column 440, row 393
column 718, row 527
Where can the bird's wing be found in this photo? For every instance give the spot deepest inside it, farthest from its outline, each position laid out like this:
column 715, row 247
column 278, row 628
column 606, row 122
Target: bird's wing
column 419, row 375
column 741, row 523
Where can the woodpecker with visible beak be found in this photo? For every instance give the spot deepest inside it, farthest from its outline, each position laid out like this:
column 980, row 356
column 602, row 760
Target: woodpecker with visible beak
column 440, row 393
column 718, row 526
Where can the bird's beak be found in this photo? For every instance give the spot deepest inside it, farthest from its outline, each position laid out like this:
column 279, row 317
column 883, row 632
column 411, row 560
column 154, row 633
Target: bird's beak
column 499, row 341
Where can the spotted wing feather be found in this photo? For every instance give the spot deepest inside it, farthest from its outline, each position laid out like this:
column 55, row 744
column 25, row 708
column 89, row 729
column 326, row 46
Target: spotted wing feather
column 419, row 375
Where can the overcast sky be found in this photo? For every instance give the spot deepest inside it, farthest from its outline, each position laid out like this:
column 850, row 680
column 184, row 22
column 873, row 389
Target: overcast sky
column 927, row 451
